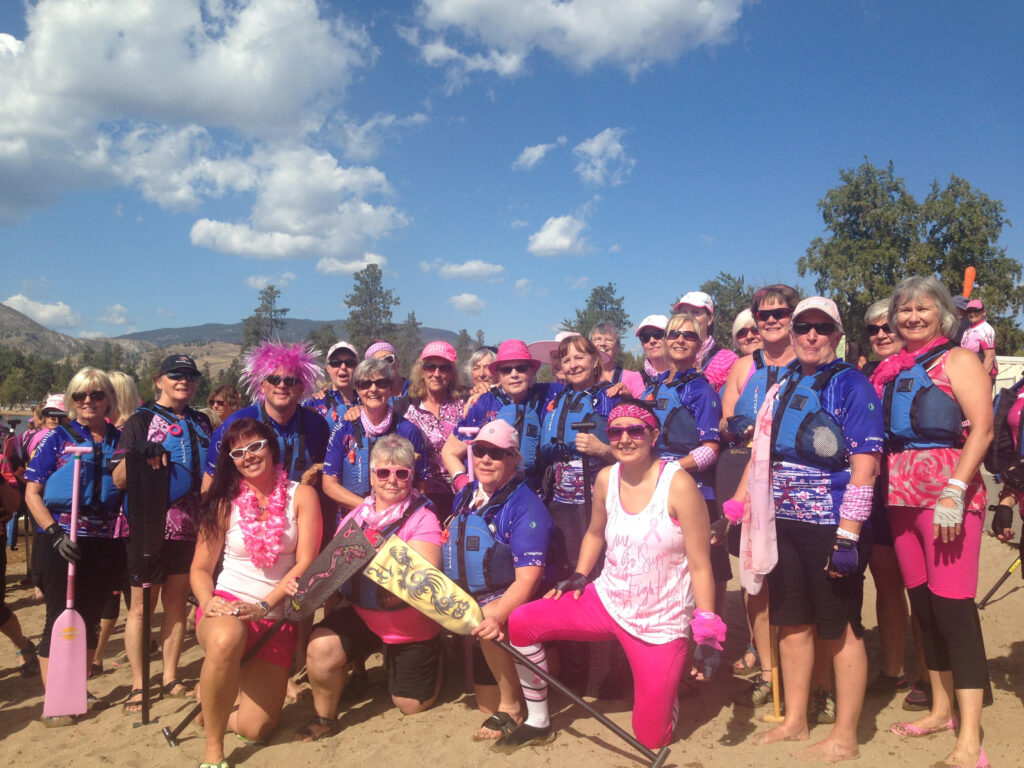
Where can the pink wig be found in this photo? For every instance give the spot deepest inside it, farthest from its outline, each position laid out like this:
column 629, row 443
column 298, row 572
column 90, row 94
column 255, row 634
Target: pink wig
column 296, row 360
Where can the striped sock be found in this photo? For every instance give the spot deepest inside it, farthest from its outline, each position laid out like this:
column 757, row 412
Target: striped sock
column 535, row 690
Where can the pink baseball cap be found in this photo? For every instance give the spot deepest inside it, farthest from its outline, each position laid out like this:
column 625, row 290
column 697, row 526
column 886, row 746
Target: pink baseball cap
column 822, row 304
column 55, row 403
column 440, row 349
column 652, row 321
column 975, row 304
column 513, row 349
column 498, row 433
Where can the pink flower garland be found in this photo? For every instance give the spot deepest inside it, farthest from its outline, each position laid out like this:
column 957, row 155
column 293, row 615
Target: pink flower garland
column 262, row 537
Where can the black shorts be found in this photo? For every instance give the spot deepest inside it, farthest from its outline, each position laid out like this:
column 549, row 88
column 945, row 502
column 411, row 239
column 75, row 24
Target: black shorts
column 412, row 668
column 721, row 568
column 173, row 559
column 800, row 590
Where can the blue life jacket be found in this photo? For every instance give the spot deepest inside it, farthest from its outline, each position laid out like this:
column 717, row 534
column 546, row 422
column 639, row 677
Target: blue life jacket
column 678, row 435
column 356, row 476
column 101, row 496
column 365, row 592
column 473, row 558
column 525, row 418
column 294, row 455
column 752, row 397
column 802, row 432
column 917, row 413
column 558, row 435
column 187, row 444
column 336, row 407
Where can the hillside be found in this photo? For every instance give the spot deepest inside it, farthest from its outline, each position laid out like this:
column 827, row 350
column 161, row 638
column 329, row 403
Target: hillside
column 29, row 337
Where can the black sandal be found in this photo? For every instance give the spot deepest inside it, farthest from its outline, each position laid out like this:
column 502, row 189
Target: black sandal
column 524, row 736
column 502, row 722
column 306, row 731
column 131, row 707
column 167, row 690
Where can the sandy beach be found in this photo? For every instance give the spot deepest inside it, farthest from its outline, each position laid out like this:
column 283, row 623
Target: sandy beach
column 711, row 731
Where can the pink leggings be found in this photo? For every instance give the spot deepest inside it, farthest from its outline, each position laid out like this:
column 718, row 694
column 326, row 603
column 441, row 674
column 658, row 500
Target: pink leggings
column 949, row 569
column 656, row 668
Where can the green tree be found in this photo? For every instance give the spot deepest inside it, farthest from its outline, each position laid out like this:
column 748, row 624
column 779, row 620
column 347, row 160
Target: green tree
column 731, row 295
column 369, row 307
column 464, row 345
column 322, row 338
column 602, row 305
column 408, row 341
column 266, row 319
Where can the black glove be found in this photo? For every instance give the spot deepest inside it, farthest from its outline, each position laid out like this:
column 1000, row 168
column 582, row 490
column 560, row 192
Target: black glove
column 149, row 450
column 63, row 545
column 707, row 660
column 842, row 560
column 1002, row 518
column 575, row 583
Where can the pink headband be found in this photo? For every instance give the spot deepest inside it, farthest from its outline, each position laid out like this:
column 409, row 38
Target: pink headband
column 378, row 346
column 635, row 412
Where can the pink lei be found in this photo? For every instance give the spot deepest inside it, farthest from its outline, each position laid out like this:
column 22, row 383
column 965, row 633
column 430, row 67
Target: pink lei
column 262, row 528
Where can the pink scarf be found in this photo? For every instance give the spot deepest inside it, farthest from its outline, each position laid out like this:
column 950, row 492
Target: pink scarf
column 375, row 519
column 758, row 550
column 896, row 363
column 376, row 430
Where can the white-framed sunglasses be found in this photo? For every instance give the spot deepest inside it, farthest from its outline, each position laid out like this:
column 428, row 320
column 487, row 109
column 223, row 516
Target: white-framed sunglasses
column 254, row 447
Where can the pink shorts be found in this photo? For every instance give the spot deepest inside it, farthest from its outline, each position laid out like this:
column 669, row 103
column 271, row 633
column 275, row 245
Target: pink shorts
column 280, row 649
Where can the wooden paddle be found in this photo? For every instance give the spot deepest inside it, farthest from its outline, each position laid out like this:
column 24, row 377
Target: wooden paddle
column 65, row 692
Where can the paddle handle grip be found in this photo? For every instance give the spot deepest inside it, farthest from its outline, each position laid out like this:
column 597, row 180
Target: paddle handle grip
column 469, row 432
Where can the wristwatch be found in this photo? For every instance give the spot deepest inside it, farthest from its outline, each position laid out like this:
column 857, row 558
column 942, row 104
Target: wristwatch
column 265, row 606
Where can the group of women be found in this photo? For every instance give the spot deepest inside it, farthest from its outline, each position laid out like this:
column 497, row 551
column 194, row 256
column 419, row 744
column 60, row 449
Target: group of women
column 580, row 509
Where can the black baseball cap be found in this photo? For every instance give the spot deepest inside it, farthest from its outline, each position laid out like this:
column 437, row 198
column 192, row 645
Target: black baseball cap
column 178, row 363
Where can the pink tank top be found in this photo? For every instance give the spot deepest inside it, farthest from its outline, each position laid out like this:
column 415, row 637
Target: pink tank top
column 645, row 584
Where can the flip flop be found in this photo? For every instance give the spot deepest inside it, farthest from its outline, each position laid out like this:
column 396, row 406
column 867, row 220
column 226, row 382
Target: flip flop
column 502, row 722
column 168, row 690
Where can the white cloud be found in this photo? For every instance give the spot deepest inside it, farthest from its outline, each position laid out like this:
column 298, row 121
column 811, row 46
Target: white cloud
column 56, row 315
column 518, row 224
column 160, row 312
column 362, row 142
column 615, row 248
column 474, row 269
column 603, row 159
column 468, row 302
column 530, row 156
column 583, row 34
column 329, row 265
column 524, row 287
column 116, row 314
column 91, row 334
column 259, row 282
column 559, row 236
column 579, row 283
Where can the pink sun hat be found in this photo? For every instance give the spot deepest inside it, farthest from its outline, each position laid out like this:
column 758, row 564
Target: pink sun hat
column 513, row 349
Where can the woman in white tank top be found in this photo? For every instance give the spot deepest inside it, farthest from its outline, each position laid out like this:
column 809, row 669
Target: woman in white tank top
column 657, row 567
column 268, row 530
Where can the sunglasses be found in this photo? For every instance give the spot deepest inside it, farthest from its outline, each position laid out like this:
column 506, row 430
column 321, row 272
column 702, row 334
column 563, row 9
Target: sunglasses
column 378, row 383
column 505, row 370
column 873, row 330
column 634, row 431
column 778, row 313
column 491, row 452
column 688, row 335
column 217, row 403
column 384, row 474
column 346, row 362
column 646, row 336
column 96, row 395
column 389, row 359
column 288, row 381
column 254, row 447
column 822, row 329
column 433, row 367
column 181, row 376
column 742, row 333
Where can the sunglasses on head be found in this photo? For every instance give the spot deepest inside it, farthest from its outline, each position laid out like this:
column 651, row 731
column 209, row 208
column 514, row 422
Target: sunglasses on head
column 778, row 313
column 338, row 362
column 384, row 473
column 389, row 359
column 646, row 336
column 96, row 395
column 873, row 329
column 491, row 452
column 433, row 367
column 254, row 447
column 688, row 335
column 288, row 381
column 182, row 376
column 505, row 370
column 822, row 329
column 634, row 431
column 378, row 383
column 742, row 333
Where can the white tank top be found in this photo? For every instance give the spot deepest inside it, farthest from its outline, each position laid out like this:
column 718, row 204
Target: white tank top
column 645, row 584
column 243, row 579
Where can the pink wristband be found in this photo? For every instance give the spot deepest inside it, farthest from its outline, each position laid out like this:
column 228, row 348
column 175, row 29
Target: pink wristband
column 705, row 457
column 856, row 503
column 733, row 510
column 708, row 629
column 461, row 481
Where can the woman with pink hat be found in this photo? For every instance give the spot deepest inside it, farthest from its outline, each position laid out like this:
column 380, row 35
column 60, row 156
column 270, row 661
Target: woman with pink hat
column 605, row 336
column 715, row 362
column 434, row 404
column 516, row 399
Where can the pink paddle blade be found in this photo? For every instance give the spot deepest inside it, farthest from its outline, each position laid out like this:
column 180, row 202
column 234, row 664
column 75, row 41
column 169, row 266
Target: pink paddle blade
column 65, row 689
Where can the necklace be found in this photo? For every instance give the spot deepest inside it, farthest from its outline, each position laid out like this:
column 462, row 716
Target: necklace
column 263, row 525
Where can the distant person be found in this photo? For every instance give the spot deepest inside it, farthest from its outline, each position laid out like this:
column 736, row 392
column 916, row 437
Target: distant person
column 745, row 337
column 960, row 302
column 128, row 399
column 605, row 336
column 223, row 401
column 342, row 360
column 383, row 350
column 478, row 367
column 980, row 337
column 715, row 362
column 651, row 332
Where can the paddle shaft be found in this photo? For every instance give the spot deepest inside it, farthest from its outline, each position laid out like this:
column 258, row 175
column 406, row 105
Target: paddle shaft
column 586, row 427
column 657, row 758
column 471, row 433
column 1009, row 571
column 776, row 716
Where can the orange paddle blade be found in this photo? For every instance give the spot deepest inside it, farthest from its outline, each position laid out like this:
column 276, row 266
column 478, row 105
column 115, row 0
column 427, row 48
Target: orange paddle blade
column 969, row 274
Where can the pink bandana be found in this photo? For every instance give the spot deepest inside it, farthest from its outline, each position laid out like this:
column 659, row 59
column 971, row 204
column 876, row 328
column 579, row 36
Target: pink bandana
column 633, row 411
column 898, row 362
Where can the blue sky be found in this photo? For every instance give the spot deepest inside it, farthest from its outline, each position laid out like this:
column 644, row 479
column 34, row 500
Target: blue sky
column 161, row 160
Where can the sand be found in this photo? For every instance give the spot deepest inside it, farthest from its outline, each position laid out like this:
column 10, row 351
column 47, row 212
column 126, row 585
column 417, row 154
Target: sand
column 711, row 731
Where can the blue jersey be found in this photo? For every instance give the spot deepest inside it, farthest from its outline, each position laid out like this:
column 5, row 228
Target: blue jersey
column 331, row 406
column 348, row 453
